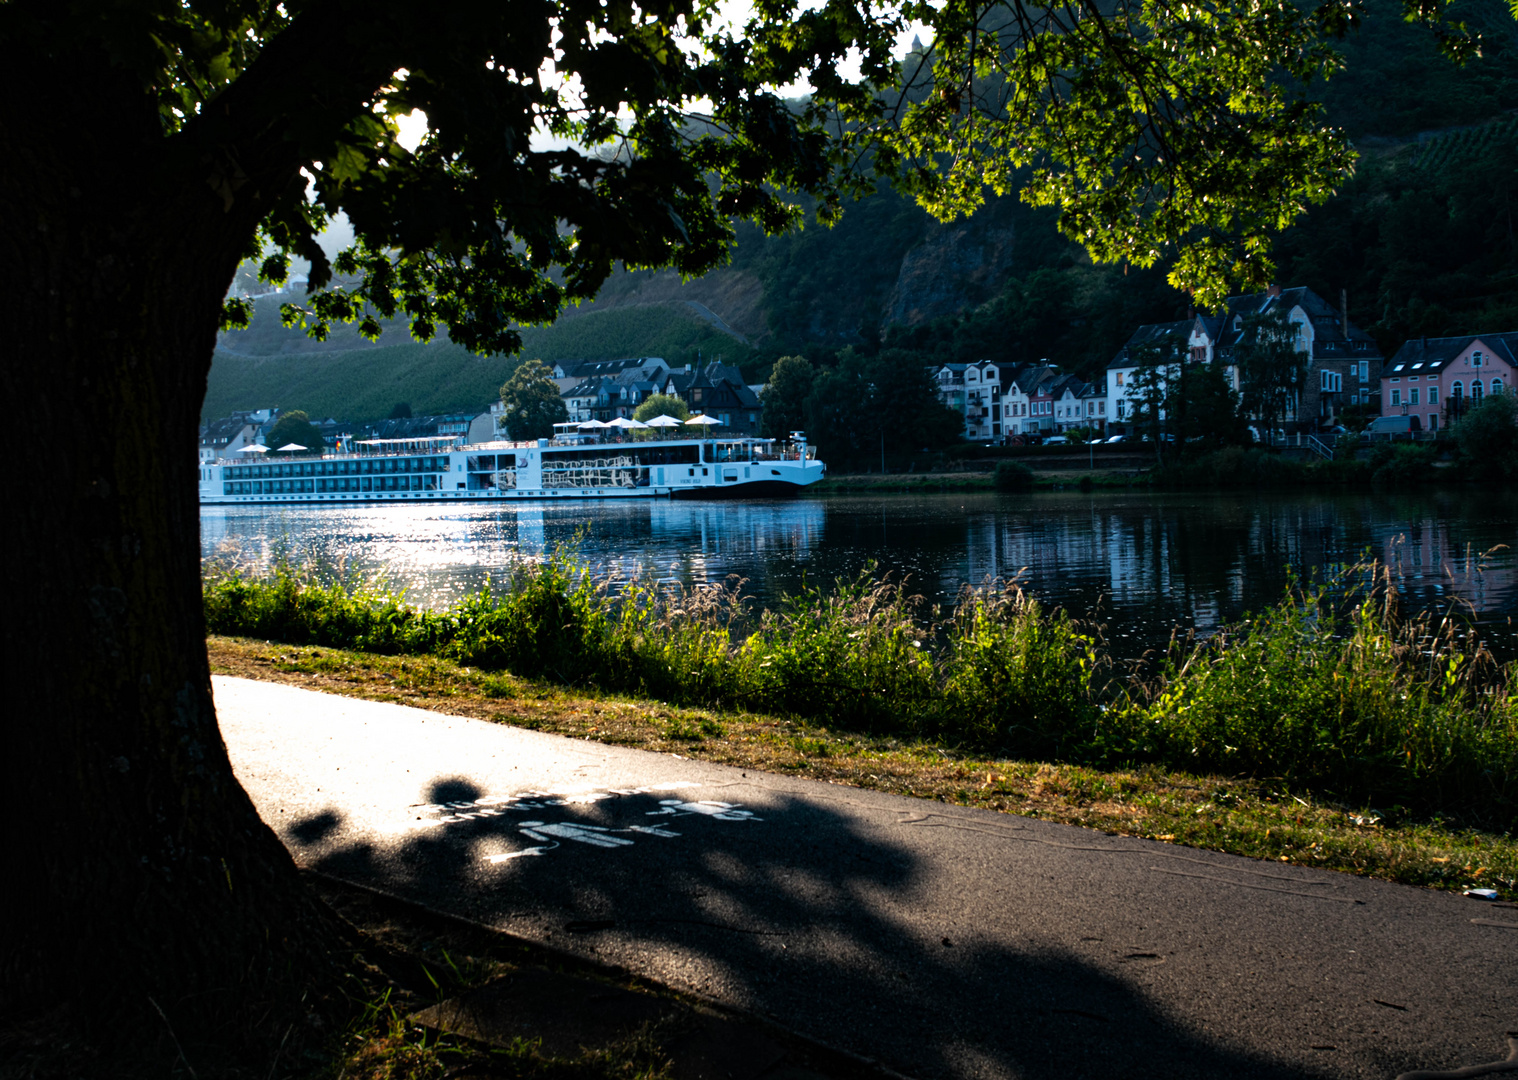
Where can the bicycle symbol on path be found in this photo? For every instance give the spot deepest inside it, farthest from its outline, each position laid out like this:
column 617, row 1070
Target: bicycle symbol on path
column 550, row 835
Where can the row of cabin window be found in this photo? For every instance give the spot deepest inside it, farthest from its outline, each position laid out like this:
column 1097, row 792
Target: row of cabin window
column 353, row 467
column 319, row 487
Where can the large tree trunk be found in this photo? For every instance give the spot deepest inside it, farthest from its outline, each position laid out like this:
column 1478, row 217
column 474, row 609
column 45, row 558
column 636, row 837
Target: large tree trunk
column 140, row 879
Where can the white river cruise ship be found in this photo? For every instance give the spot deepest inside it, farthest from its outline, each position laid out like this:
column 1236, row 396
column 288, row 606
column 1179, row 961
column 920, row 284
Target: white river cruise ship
column 572, row 465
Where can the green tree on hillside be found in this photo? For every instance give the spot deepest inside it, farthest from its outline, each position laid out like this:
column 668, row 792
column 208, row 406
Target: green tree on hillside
column 661, row 405
column 1272, row 367
column 531, row 402
column 887, row 405
column 784, row 396
column 1156, row 389
column 1208, row 414
column 1487, row 438
column 295, row 427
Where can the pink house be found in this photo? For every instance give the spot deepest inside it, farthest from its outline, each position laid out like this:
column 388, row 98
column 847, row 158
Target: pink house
column 1437, row 379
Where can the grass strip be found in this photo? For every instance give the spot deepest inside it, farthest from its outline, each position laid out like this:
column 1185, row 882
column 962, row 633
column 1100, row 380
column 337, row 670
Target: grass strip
column 1258, row 819
column 1332, row 692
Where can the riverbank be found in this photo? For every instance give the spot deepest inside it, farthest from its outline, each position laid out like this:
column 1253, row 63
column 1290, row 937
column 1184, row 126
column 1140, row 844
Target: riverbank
column 1233, row 468
column 1256, row 818
column 1047, row 476
column 1345, row 698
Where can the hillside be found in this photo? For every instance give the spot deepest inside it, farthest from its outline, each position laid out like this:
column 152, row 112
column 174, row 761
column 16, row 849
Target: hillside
column 1422, row 240
column 352, row 379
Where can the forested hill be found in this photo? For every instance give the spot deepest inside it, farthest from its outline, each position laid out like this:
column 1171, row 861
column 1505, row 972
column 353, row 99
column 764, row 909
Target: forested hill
column 350, row 378
column 1422, row 239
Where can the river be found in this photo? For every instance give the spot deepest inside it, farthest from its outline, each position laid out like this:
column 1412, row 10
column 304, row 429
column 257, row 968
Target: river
column 1144, row 563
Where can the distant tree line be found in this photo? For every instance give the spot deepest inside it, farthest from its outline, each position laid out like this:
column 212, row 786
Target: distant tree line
column 863, row 411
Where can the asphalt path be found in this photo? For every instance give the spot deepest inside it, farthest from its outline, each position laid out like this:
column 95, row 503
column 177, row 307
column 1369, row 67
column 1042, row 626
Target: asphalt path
column 945, row 942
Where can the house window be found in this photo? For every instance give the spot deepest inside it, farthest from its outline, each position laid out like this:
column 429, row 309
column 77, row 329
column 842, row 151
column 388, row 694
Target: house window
column 1476, row 361
column 1101, row 407
column 1120, row 378
column 1396, row 397
column 1475, row 389
column 1496, row 386
column 1412, row 396
column 1456, row 390
column 1332, row 382
column 1364, row 370
column 1433, row 420
column 1433, row 395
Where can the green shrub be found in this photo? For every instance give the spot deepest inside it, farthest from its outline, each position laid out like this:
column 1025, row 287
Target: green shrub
column 1013, row 476
column 1358, row 704
column 1365, row 706
column 1487, row 438
column 1402, row 462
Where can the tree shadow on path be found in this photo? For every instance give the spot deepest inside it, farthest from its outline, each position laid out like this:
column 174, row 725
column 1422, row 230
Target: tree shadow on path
column 795, row 909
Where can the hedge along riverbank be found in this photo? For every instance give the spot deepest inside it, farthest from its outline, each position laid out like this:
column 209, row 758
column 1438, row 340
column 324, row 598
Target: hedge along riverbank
column 1360, row 705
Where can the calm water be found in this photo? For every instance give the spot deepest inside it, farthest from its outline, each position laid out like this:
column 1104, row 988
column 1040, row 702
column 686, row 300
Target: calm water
column 1146, row 562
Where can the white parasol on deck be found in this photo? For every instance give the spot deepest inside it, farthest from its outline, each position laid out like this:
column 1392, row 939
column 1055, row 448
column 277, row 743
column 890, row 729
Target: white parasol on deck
column 256, row 448
column 665, row 421
column 289, row 447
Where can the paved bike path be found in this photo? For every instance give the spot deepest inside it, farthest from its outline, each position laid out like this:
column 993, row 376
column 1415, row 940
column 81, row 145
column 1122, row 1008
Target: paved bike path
column 945, row 942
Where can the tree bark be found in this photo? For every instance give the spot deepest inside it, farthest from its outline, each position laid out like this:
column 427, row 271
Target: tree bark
column 143, row 889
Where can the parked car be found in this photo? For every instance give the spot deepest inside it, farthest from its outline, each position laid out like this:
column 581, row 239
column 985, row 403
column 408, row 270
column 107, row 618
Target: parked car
column 1387, row 428
column 1118, row 439
column 1057, row 440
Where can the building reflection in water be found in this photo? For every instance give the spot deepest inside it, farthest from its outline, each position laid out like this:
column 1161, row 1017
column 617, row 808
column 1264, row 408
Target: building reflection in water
column 1142, row 564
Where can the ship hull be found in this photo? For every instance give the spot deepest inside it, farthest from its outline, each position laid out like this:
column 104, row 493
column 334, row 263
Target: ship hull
column 440, row 471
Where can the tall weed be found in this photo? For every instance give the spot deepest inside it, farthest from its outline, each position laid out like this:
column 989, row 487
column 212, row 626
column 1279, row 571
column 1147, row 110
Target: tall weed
column 1352, row 700
column 1363, row 704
